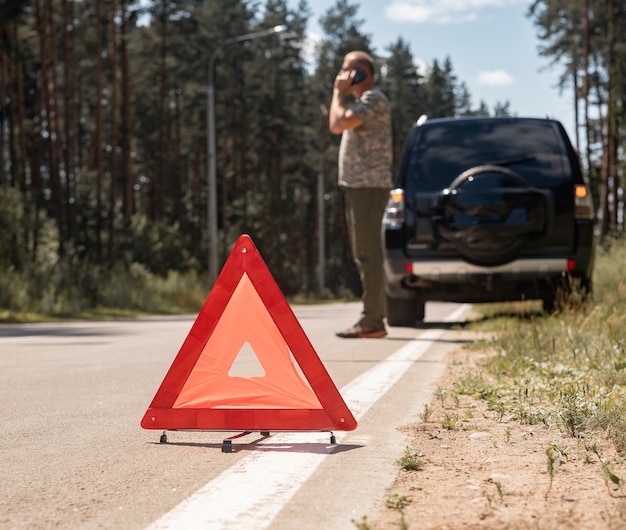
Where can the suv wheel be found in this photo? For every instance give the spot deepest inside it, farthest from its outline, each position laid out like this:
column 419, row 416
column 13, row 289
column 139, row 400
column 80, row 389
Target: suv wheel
column 567, row 292
column 404, row 312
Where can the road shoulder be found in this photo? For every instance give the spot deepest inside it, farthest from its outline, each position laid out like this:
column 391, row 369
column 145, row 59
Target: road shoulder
column 483, row 471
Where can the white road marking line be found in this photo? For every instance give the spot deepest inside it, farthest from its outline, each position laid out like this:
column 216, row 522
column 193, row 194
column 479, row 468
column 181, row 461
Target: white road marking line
column 253, row 491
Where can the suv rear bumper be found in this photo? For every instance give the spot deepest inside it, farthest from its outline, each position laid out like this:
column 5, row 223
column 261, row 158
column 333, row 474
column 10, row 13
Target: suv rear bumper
column 456, row 280
column 459, row 270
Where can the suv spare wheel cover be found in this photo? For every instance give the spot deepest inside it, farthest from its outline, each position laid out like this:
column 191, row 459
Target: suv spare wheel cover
column 489, row 212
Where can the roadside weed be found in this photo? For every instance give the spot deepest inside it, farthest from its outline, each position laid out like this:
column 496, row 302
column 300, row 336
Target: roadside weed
column 398, row 503
column 555, row 458
column 426, row 413
column 609, row 476
column 410, row 461
column 440, row 394
column 362, row 524
column 500, row 490
column 575, row 410
column 450, row 421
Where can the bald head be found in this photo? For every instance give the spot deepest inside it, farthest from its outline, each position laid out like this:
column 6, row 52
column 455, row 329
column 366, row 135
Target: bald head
column 359, row 58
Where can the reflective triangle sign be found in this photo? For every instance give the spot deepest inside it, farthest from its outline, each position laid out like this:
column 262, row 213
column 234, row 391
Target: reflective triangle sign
column 246, row 322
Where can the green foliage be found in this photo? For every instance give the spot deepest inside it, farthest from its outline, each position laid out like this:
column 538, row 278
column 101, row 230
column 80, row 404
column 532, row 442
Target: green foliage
column 50, row 285
column 574, row 35
column 160, row 247
column 117, row 185
column 403, row 85
column 440, row 88
column 68, row 289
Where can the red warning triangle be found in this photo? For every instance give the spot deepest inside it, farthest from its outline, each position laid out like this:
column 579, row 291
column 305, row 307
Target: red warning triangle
column 246, row 310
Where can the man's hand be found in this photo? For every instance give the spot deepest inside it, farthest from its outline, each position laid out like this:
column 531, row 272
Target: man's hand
column 340, row 118
column 343, row 81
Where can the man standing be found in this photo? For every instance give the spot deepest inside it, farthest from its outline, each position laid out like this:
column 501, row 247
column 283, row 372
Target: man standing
column 365, row 159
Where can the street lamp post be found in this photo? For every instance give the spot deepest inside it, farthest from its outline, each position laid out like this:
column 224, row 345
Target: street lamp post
column 321, row 237
column 212, row 162
column 321, row 232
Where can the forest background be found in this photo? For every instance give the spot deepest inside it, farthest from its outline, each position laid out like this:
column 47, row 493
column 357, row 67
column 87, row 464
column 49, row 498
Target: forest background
column 103, row 141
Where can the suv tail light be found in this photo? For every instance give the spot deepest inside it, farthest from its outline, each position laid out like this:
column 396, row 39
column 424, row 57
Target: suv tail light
column 394, row 211
column 583, row 202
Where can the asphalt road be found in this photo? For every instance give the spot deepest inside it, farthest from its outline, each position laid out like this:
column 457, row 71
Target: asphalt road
column 74, row 455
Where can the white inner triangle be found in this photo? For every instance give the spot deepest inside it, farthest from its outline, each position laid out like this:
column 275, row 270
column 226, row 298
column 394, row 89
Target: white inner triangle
column 246, row 364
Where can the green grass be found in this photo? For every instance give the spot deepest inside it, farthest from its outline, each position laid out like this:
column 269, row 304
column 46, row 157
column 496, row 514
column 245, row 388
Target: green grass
column 96, row 294
column 567, row 368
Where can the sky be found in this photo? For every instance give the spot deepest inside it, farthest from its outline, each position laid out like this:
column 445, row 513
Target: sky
column 492, row 44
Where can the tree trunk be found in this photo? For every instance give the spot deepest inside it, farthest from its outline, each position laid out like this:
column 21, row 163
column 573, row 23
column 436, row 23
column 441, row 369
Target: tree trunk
column 178, row 170
column 49, row 93
column 97, row 136
column 611, row 122
column 129, row 201
column 70, row 122
column 113, row 106
column 21, row 113
column 585, row 94
column 157, row 179
column 6, row 82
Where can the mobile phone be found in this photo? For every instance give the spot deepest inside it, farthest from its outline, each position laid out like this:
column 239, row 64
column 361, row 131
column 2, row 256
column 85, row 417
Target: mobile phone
column 359, row 75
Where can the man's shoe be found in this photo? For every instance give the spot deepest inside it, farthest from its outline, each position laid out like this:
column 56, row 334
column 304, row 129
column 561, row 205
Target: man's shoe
column 358, row 331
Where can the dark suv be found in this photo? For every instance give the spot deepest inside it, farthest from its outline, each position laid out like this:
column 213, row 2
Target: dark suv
column 486, row 210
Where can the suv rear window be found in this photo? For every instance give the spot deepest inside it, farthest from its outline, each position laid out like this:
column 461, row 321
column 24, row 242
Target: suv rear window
column 441, row 151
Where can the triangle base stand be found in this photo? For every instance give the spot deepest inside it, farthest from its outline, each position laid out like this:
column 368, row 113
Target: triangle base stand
column 227, row 443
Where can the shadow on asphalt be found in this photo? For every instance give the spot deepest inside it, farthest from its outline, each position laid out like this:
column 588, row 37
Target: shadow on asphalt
column 39, row 331
column 279, row 447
